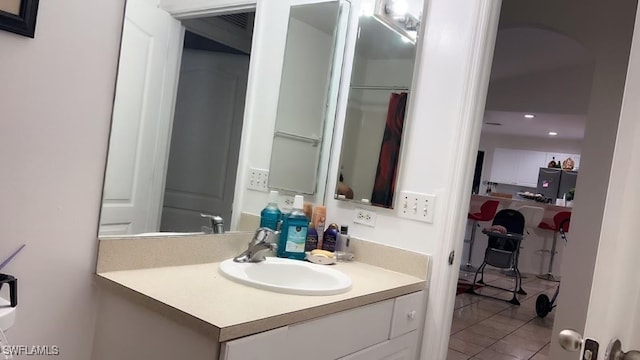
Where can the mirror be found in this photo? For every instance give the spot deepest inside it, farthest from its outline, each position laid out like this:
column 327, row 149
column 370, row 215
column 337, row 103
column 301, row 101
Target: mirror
column 299, row 132
column 179, row 111
column 379, row 91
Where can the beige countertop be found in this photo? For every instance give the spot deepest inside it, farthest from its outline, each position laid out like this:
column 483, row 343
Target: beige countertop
column 198, row 295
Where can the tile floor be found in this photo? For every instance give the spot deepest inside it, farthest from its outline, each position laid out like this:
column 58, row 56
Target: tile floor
column 488, row 329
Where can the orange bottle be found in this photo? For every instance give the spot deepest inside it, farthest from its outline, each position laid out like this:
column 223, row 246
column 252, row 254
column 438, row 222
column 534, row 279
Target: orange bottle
column 318, row 221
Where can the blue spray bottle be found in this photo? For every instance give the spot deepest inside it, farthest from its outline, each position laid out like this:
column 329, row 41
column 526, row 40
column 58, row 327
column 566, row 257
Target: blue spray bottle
column 271, row 215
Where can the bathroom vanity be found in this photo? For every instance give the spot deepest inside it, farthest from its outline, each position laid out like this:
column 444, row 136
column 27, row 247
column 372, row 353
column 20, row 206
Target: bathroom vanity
column 164, row 298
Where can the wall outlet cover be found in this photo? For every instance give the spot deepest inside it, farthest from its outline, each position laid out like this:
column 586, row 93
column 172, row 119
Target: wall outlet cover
column 365, row 217
column 258, row 180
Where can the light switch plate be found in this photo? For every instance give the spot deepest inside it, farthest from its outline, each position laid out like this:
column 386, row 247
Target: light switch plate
column 258, row 180
column 417, row 206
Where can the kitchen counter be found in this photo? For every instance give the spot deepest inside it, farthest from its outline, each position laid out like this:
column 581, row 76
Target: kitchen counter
column 550, row 210
column 201, row 297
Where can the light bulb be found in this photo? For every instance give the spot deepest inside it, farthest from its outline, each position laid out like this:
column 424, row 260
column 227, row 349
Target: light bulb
column 399, row 7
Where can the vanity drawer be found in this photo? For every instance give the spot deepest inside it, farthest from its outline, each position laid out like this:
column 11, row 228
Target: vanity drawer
column 407, row 314
column 344, row 333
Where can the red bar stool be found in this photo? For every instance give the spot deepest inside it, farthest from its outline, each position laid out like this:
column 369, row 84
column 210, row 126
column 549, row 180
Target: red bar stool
column 560, row 221
column 487, row 212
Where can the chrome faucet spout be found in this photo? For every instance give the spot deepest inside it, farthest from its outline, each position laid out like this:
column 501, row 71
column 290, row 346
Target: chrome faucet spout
column 263, row 240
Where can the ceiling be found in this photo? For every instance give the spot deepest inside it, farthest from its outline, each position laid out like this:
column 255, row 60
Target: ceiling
column 526, row 50
column 567, row 126
column 540, row 71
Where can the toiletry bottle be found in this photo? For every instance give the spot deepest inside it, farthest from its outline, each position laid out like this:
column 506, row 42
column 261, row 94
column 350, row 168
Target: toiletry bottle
column 308, row 210
column 271, row 215
column 343, row 244
column 343, row 253
column 312, row 238
column 294, row 232
column 318, row 220
column 330, row 238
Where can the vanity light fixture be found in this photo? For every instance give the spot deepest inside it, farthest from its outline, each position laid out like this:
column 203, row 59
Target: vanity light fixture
column 529, row 116
column 398, row 8
column 553, row 133
column 396, row 16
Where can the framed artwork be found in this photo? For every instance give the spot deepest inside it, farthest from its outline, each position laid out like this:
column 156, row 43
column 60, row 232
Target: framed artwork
column 19, row 16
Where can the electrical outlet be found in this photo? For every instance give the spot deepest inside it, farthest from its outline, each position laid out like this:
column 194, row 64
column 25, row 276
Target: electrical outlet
column 416, row 206
column 286, row 203
column 365, row 217
column 258, row 180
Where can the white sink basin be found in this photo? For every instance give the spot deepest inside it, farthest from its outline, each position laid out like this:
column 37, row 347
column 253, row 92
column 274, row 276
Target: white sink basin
column 288, row 276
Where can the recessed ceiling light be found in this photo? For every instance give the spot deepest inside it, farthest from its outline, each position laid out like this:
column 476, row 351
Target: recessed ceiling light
column 529, row 116
column 553, row 133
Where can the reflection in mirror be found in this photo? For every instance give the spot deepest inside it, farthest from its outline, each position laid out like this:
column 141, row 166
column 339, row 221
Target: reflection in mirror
column 380, row 84
column 312, row 38
column 178, row 117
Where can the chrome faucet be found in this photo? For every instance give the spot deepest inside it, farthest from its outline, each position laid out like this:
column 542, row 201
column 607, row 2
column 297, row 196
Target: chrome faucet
column 217, row 224
column 263, row 240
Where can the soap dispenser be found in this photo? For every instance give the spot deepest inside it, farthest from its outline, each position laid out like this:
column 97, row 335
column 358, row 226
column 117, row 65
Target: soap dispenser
column 294, row 232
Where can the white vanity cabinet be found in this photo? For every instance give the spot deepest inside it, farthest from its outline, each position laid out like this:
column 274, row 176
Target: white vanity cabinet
column 383, row 330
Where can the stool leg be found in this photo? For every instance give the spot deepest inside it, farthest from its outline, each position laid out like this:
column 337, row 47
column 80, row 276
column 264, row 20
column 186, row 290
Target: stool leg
column 549, row 275
column 468, row 267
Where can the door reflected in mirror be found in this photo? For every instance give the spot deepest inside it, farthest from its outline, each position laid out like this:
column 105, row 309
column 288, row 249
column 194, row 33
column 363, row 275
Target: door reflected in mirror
column 378, row 95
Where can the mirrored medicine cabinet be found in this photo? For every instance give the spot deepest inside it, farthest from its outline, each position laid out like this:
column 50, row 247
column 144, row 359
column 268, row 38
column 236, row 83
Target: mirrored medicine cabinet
column 379, row 91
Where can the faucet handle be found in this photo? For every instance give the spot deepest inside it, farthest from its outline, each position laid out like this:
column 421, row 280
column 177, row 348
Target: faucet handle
column 217, row 223
column 264, row 235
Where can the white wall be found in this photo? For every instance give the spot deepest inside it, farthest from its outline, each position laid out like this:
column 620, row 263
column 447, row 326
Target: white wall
column 303, row 87
column 54, row 126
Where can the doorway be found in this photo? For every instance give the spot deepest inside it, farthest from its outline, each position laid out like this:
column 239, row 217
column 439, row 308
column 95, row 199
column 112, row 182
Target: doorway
column 502, row 336
column 207, row 126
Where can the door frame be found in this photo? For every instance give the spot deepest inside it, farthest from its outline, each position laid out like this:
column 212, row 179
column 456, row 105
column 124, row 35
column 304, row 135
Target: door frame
column 484, row 16
column 443, row 275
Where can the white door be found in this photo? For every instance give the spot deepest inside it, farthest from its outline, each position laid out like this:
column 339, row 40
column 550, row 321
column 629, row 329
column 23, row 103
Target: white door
column 205, row 142
column 141, row 124
column 614, row 303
